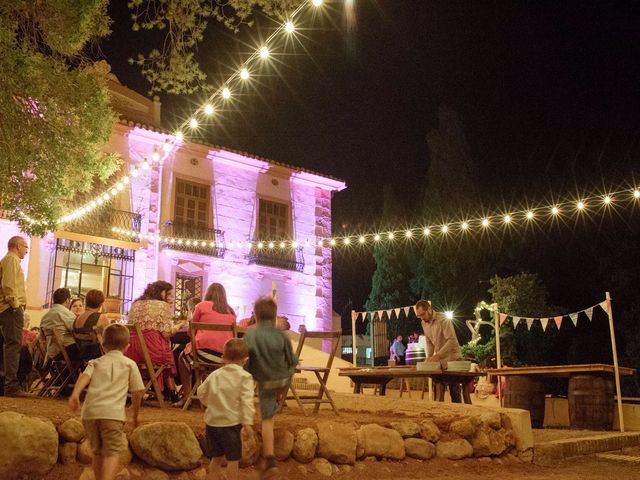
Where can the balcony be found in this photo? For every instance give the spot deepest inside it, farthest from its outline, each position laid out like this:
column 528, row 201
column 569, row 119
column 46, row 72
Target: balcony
column 101, row 221
column 285, row 259
column 212, row 238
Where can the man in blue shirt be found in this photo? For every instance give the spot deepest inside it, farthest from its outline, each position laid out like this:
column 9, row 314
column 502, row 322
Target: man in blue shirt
column 397, row 350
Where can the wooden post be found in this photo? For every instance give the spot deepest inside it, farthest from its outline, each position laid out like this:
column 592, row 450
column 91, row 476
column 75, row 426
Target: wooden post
column 373, row 340
column 496, row 318
column 354, row 316
column 615, row 361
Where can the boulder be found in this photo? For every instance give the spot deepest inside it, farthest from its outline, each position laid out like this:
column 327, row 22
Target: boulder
column 68, row 452
column 492, row 419
column 406, row 428
column 463, row 427
column 381, row 442
column 302, row 470
column 305, row 445
column 488, row 441
column 154, row 474
column 250, row 447
column 443, row 420
column 283, row 444
column 29, row 446
column 200, row 474
column 337, row 442
column 454, row 449
column 322, row 466
column 418, row 448
column 72, row 430
column 429, row 431
column 167, row 445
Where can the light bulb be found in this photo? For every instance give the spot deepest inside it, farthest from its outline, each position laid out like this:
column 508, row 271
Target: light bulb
column 444, row 229
column 145, row 165
column 507, row 218
column 271, row 245
column 208, row 109
column 320, row 243
column 244, row 74
column 376, row 237
column 448, row 315
column 179, row 136
column 264, row 52
column 282, row 245
column 347, row 241
column 636, row 193
column 580, row 205
column 408, row 233
column 316, row 3
column 529, row 215
column 294, row 244
column 485, row 222
column 390, row 236
column 289, row 27
column 607, row 200
column 555, row 211
column 465, row 225
column 361, row 239
column 332, row 242
column 260, row 244
column 126, row 180
column 193, row 123
column 226, row 93
column 120, row 186
column 426, row 232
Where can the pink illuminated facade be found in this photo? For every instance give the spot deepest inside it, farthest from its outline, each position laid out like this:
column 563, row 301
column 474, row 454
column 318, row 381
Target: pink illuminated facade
column 199, row 192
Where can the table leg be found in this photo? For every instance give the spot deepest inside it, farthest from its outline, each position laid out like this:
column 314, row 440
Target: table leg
column 466, row 396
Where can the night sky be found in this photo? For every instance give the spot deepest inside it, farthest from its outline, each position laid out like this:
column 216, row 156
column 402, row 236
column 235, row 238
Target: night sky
column 547, row 92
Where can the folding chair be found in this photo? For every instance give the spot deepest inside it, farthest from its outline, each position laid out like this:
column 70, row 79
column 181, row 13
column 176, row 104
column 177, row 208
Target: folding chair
column 41, row 363
column 321, row 373
column 153, row 370
column 64, row 370
column 201, row 367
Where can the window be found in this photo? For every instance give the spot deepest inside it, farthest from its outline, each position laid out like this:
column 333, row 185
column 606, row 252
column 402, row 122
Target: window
column 274, row 221
column 192, row 204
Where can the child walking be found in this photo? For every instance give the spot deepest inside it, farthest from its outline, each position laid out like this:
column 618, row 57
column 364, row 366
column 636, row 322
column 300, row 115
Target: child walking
column 103, row 412
column 272, row 363
column 228, row 396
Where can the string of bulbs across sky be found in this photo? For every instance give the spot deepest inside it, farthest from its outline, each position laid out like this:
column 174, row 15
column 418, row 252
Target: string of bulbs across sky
column 208, row 109
column 543, row 213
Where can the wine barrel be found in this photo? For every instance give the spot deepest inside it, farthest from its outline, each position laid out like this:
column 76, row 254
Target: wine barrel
column 591, row 405
column 526, row 393
column 414, row 354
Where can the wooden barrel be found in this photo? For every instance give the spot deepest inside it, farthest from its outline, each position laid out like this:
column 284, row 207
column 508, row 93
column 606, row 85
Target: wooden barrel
column 527, row 393
column 414, row 354
column 591, row 405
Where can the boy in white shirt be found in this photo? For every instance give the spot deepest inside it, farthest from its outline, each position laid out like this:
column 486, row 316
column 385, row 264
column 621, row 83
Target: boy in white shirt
column 228, row 396
column 103, row 412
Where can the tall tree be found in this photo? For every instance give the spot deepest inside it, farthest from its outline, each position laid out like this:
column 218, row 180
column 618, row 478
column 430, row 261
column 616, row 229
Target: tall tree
column 54, row 112
column 448, row 269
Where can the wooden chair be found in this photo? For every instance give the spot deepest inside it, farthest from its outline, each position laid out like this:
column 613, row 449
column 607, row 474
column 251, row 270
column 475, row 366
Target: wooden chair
column 201, row 367
column 41, row 363
column 321, row 372
column 64, row 371
column 153, row 370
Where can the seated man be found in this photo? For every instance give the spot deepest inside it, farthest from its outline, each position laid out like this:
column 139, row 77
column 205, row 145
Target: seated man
column 60, row 319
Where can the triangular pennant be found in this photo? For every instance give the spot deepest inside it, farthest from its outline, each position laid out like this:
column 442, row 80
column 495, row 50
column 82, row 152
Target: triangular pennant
column 397, row 312
column 544, row 322
column 529, row 323
column 354, row 315
column 589, row 312
column 574, row 318
column 407, row 310
column 515, row 321
column 605, row 306
column 503, row 318
column 558, row 321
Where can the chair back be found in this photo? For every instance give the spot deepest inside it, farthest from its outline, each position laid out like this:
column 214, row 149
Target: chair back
column 333, row 336
column 195, row 327
column 57, row 341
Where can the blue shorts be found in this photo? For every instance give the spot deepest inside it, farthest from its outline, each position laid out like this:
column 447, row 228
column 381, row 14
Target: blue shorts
column 224, row 441
column 270, row 400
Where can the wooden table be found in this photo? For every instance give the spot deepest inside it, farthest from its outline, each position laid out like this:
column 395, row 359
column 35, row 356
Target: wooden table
column 590, row 392
column 383, row 375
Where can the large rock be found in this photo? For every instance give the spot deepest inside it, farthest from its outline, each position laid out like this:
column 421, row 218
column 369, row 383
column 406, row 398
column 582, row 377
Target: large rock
column 154, row 474
column 68, row 451
column 322, row 466
column 454, row 449
column 167, row 445
column 381, row 442
column 463, row 427
column 429, row 431
column 406, row 428
column 283, row 444
column 337, row 442
column 72, row 430
column 488, row 442
column 305, row 445
column 85, row 454
column 418, row 448
column 29, row 446
column 492, row 419
column 250, row 447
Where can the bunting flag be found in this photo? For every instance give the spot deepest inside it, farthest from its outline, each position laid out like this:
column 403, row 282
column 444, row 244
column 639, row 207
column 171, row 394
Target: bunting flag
column 574, row 319
column 503, row 318
column 354, row 315
column 515, row 321
column 529, row 323
column 605, row 306
column 544, row 322
column 389, row 313
column 558, row 321
column 589, row 312
column 397, row 312
column 407, row 310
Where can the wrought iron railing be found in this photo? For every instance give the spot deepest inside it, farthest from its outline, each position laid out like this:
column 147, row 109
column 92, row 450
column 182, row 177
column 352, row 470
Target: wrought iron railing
column 101, row 222
column 209, row 241
column 276, row 257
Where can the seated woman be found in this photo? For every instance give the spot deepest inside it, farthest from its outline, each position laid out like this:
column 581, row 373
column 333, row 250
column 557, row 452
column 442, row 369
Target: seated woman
column 77, row 307
column 89, row 324
column 214, row 310
column 152, row 312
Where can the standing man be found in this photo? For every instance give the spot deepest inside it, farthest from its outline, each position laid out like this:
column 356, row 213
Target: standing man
column 442, row 343
column 13, row 301
column 397, row 350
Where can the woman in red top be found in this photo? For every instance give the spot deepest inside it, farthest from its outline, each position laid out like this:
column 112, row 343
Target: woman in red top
column 214, row 310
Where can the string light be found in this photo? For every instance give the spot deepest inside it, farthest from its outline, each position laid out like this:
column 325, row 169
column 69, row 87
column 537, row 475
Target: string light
column 289, row 27
column 607, row 200
column 507, row 218
column 464, row 226
column 361, row 239
column 530, row 215
column 244, row 74
column 636, row 193
column 317, row 3
column 555, row 210
column 485, row 222
column 209, row 109
column 264, row 52
column 580, row 205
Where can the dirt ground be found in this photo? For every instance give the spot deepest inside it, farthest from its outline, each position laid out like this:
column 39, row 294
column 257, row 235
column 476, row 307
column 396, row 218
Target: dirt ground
column 579, row 468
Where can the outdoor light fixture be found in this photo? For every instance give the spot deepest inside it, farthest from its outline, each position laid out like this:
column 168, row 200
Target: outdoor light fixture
column 390, row 236
column 226, row 93
column 361, row 239
column 316, row 3
column 264, row 52
column 507, row 218
column 376, row 237
column 606, row 199
column 580, row 205
column 555, row 211
column 448, row 315
column 426, row 232
column 347, row 241
column 193, row 123
column 485, row 222
column 636, row 193
column 208, row 109
column 179, row 136
column 408, row 233
column 444, row 229
column 244, row 74
column 529, row 215
column 465, row 225
column 289, row 27
column 332, row 242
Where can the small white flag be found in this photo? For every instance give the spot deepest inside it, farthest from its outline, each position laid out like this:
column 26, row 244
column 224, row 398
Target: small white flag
column 529, row 323
column 589, row 312
column 397, row 312
column 574, row 318
column 544, row 322
column 407, row 310
column 605, row 306
column 389, row 313
column 515, row 321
